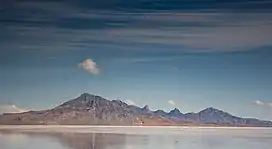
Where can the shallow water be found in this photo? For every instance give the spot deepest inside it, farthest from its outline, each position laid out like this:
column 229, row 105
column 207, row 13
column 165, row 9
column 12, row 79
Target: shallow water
column 135, row 138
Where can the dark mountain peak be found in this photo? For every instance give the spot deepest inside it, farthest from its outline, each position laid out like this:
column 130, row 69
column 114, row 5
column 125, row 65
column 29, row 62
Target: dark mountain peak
column 176, row 111
column 120, row 103
column 211, row 110
column 215, row 116
column 84, row 100
column 86, row 95
column 190, row 113
column 146, row 108
column 160, row 112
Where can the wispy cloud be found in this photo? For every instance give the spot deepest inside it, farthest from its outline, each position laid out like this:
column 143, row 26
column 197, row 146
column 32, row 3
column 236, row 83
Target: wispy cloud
column 90, row 66
column 188, row 31
column 172, row 102
column 11, row 109
column 258, row 102
column 263, row 103
column 130, row 102
column 207, row 26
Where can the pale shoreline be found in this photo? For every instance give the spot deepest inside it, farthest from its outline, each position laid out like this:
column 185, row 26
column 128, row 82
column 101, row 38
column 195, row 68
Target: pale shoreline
column 133, row 130
column 112, row 126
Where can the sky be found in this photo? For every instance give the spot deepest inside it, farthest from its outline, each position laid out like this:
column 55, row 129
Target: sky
column 185, row 54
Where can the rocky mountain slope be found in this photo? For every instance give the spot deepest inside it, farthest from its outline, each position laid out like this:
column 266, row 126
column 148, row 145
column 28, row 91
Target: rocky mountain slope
column 90, row 109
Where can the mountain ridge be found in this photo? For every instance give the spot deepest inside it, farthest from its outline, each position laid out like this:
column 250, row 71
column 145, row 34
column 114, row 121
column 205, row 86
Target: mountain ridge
column 89, row 109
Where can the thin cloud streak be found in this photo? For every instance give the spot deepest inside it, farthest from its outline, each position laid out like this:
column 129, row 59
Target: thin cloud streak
column 215, row 31
column 258, row 102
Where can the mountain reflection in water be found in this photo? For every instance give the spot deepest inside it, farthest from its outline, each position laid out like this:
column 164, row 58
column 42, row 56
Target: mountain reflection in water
column 197, row 139
column 84, row 140
column 91, row 141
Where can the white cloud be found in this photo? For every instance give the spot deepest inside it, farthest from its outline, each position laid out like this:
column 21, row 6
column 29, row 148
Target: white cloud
column 270, row 104
column 10, row 109
column 171, row 102
column 258, row 102
column 90, row 66
column 130, row 102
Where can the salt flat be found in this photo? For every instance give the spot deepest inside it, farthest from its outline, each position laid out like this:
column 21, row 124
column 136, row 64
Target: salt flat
column 133, row 137
column 178, row 130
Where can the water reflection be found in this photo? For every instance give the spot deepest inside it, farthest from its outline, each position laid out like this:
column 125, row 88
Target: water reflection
column 201, row 140
column 80, row 140
column 91, row 141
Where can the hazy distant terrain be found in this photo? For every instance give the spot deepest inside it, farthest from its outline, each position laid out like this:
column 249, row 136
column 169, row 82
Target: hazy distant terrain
column 90, row 109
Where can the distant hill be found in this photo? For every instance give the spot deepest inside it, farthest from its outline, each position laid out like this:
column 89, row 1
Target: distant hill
column 90, row 109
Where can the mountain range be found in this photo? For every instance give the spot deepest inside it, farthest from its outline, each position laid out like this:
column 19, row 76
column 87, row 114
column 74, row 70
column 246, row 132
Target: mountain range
column 88, row 109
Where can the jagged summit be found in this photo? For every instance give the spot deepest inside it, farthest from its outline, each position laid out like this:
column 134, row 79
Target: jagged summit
column 211, row 109
column 160, row 112
column 86, row 96
column 89, row 109
column 84, row 99
column 146, row 108
column 175, row 111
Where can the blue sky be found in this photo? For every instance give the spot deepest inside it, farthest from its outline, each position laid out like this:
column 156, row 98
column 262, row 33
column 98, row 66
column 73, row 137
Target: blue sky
column 167, row 54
